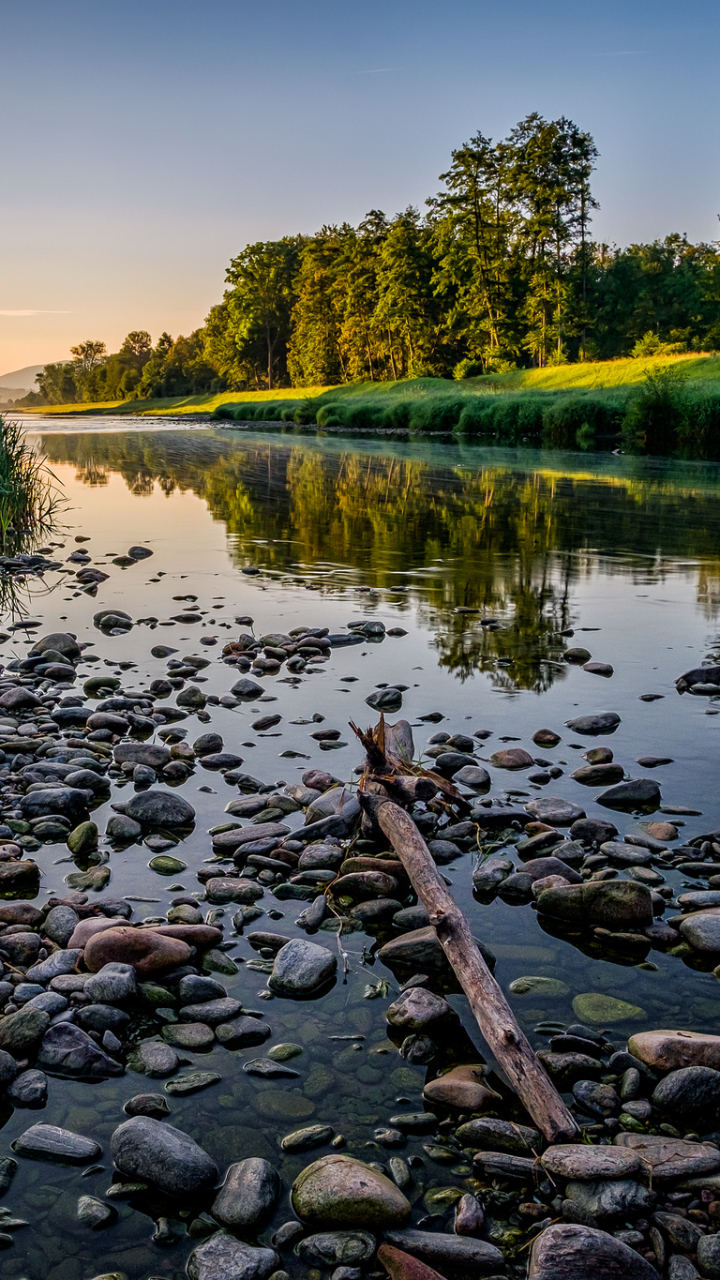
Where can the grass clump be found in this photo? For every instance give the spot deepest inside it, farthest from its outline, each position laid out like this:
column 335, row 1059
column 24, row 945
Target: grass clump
column 29, row 501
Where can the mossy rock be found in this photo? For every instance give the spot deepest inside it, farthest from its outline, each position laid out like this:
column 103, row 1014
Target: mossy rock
column 547, row 988
column 594, row 1007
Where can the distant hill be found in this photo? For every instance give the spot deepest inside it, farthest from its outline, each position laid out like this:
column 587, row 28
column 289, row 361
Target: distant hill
column 19, row 381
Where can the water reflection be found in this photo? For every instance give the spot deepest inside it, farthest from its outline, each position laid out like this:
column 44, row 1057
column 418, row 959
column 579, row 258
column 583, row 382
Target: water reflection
column 468, row 534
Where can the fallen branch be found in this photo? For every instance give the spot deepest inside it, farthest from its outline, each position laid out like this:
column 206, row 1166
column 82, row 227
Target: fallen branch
column 492, row 1012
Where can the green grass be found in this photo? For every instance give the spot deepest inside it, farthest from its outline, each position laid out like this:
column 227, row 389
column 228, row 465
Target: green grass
column 29, row 502
column 172, row 406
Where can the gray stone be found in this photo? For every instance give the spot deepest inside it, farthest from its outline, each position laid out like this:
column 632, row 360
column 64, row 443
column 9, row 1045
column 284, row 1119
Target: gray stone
column 438, row 1250
column 29, row 1089
column 57, row 963
column 708, row 1256
column 48, row 1142
column 316, row 1135
column 222, row 1257
column 555, row 811
column 301, row 968
column 680, row 1268
column 8, row 1068
column 665, row 1159
column 60, row 924
column 211, row 1012
column 418, row 1008
column 247, row 689
column 581, row 1162
column 702, row 931
column 112, row 984
column 66, row 1050
column 67, row 802
column 160, row 809
column 566, row 1251
column 123, row 829
column 248, row 1195
column 421, row 951
column 336, row 1248
column 339, row 1192
column 688, row 1092
column 592, row 726
column 499, row 1135
column 605, row 1198
column 638, row 793
column 195, row 989
column 49, row 1001
column 156, row 1059
column 146, row 1149
column 95, row 1214
column 20, row 1032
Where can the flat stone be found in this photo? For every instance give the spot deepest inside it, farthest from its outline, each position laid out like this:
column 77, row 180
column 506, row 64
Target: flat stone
column 337, row 1191
column 463, row 1088
column 708, row 1256
column 222, row 1257
column 146, row 1149
column 512, row 758
column 48, row 1142
column 147, row 951
column 156, row 1059
column 458, row 1252
column 420, row 950
column 188, row 1035
column 638, row 793
column 337, row 1248
column 248, row 1196
column 67, row 1050
column 555, row 811
column 603, row 1198
column 243, row 1033
column 316, row 1135
column 152, row 754
column 543, row 988
column 667, row 1159
column 418, row 1008
column 301, row 968
column 403, row 1266
column 147, row 1104
column 29, row 1089
column 670, row 1050
column 597, row 1008
column 21, row 1031
column 211, row 1012
column 583, row 1163
column 594, row 725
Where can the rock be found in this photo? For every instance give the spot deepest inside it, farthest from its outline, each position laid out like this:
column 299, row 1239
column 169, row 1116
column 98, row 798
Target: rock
column 595, row 1099
column 708, row 1256
column 512, row 758
column 222, row 889
column 248, row 1195
column 473, row 776
column 66, row 1050
column 67, row 802
column 301, row 968
column 57, row 963
column 152, row 754
column 555, row 811
column 247, row 689
column 546, row 738
column 670, row 1050
column 616, row 905
column 29, row 1089
column 243, row 1033
column 147, row 1104
column 211, row 1011
column 421, row 951
column 146, row 951
column 638, row 793
column 418, row 1008
column 338, row 1192
column 680, row 1268
column 599, row 669
column 148, row 1150
column 8, row 1068
column 48, row 1142
column 113, row 983
column 62, row 642
column 666, row 1159
column 609, row 1199
column 702, row 931
column 388, row 699
column 460, row 1253
column 60, row 924
column 597, row 1008
column 585, row 1163
column 316, row 1135
column 489, row 1134
column 689, row 1092
column 543, row 988
column 83, row 838
column 592, row 726
column 599, row 775
column 462, row 1088
column 403, row 1266
column 565, row 1251
column 189, row 1035
column 160, row 809
column 337, row 1248
column 123, row 829
column 94, row 1214
column 21, row 1031
column 156, row 1059
column 222, row 1257
column 469, row 1216
column 680, row 1233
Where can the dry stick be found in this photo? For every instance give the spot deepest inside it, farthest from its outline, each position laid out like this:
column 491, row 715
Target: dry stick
column 491, row 1010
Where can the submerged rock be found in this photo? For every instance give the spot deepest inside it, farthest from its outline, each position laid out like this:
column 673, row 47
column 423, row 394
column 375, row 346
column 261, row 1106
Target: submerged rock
column 337, row 1191
column 48, row 1142
column 615, row 904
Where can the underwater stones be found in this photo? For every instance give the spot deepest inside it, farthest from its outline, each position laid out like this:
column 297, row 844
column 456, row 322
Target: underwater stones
column 48, row 1142
column 670, row 1050
column 337, row 1191
column 160, row 809
column 189, row 1035
column 248, row 1195
column 316, row 1135
column 222, row 1257
column 148, row 952
column 567, row 1251
column 597, row 1008
column 462, row 1088
column 613, row 904
column 29, row 1089
column 594, row 725
column 555, row 811
column 301, row 968
column 147, row 1149
column 543, row 988
column 67, row 1050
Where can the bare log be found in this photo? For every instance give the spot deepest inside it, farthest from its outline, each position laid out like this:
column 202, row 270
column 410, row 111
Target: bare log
column 405, row 787
column 492, row 1012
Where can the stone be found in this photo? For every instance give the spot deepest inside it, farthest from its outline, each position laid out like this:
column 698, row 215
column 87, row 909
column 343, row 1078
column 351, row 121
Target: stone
column 211, row 1011
column 222, row 889
column 95, row 1214
column 592, row 726
column 156, row 1059
column 188, row 1035
column 582, row 1163
column 461, row 1253
column 670, row 1050
column 57, row 963
column 614, row 904
column 681, row 1233
column 243, row 1033
column 597, row 1008
column 595, row 1099
column 152, row 754
column 62, row 642
column 160, row 809
column 123, row 829
column 566, row 1251
column 546, row 738
column 555, row 811
column 473, row 776
column 512, row 758
column 489, row 1134
column 638, row 793
column 708, row 1256
column 67, row 802
column 543, row 988
column 248, row 1196
column 702, row 931
column 337, row 1191
column 418, row 1008
column 84, row 837
column 599, row 775
column 67, row 1050
column 113, row 983
column 603, row 1198
column 316, row 1135
column 403, row 1266
column 462, row 1088
column 247, row 689
column 222, row 1257
column 146, row 951
column 689, row 1092
column 29, row 1089
column 666, row 1159
column 337, row 1248
column 420, row 950
column 21, row 1031
column 301, row 968
column 147, row 1104
column 60, row 924
column 48, row 1142
column 148, row 1150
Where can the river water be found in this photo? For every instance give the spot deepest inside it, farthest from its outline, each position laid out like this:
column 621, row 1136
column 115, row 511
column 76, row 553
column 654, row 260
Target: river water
column 432, row 538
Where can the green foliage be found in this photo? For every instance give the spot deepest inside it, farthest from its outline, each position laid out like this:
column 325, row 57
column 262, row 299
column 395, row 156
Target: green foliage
column 657, row 415
column 28, row 500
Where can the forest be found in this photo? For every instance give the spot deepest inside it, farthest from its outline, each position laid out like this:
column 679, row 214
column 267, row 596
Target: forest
column 499, row 272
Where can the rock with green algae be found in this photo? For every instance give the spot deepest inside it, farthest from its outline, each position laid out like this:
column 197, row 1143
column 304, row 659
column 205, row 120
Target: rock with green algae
column 337, row 1191
column 164, row 865
column 549, row 988
column 594, row 1007
column 83, row 838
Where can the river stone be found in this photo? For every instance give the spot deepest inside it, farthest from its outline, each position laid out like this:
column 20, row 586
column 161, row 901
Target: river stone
column 614, row 904
column 95, row 1214
column 152, row 754
column 339, row 1192
column 473, row 776
column 665, row 1159
column 458, row 1253
column 146, row 951
column 702, row 931
column 122, row 828
column 670, row 1050
column 555, row 811
column 316, row 1135
column 29, row 1089
column 418, row 1008
column 689, row 1092
column 212, row 1012
column 48, row 1142
column 566, row 1251
column 638, row 793
column 489, row 1134
column 420, row 950
column 156, row 1059
column 222, row 1257
column 21, row 1031
column 57, row 963
column 592, row 726
column 148, row 1150
column 301, row 968
column 188, row 1035
column 512, row 758
column 65, row 802
column 602, row 1198
column 247, row 689
column 599, row 775
column 160, row 809
column 62, row 642
column 462, row 1088
column 708, row 1256
column 337, row 1248
column 584, row 1163
column 543, row 988
column 595, row 1007
column 60, row 924
column 66, row 1050
column 112, row 984
column 248, row 1195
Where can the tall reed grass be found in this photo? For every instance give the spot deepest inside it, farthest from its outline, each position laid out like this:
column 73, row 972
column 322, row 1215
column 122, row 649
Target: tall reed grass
column 30, row 500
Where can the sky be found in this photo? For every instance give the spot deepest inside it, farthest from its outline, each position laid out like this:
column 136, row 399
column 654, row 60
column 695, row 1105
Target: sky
column 143, row 144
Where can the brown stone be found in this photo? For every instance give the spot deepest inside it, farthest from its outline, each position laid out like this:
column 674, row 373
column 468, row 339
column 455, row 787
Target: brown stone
column 147, row 951
column 363, row 885
column 584, row 1162
column 513, row 758
column 19, row 913
column 566, row 1251
column 195, row 935
column 87, row 928
column 546, row 738
column 671, row 1050
column 662, row 831
column 462, row 1088
column 665, row 1159
column 402, row 1266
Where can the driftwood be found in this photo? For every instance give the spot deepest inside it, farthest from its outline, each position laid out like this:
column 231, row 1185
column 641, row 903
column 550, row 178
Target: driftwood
column 492, row 1012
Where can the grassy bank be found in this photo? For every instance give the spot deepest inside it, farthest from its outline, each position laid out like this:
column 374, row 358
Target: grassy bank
column 174, row 406
column 28, row 500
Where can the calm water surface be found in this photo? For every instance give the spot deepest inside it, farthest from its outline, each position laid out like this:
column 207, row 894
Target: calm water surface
column 432, row 538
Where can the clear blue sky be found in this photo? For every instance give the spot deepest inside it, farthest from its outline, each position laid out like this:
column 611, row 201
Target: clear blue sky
column 144, row 142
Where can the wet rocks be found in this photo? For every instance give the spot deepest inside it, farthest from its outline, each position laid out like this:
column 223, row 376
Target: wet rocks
column 417, row 1008
column 113, row 983
column 67, row 1050
column 512, row 758
column 146, row 951
column 48, row 1142
column 337, row 1191
column 638, row 793
column 555, row 811
column 160, row 809
column 670, row 1050
column 702, row 931
column 337, row 1248
column 448, row 1251
column 708, row 1256
column 248, row 1195
column 489, row 1134
column 463, row 1088
column 584, row 1163
column 616, row 905
column 666, row 1159
column 94, row 1214
column 420, row 950
column 222, row 1257
column 301, row 968
column 689, row 1092
column 566, row 1251
column 598, row 1009
column 594, row 725
column 21, row 1031
column 154, row 755
column 146, row 1149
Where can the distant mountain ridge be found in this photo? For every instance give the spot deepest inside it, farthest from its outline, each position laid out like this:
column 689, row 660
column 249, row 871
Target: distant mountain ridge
column 21, row 380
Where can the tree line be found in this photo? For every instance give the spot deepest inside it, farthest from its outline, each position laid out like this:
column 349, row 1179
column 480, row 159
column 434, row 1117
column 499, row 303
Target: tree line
column 499, row 272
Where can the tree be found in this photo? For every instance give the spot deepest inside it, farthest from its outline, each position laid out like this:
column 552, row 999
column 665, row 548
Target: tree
column 263, row 277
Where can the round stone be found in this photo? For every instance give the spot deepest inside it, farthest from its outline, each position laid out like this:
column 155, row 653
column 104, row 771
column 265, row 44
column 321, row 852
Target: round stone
column 337, row 1191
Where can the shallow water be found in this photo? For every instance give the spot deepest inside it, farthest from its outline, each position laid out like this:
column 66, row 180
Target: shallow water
column 624, row 551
